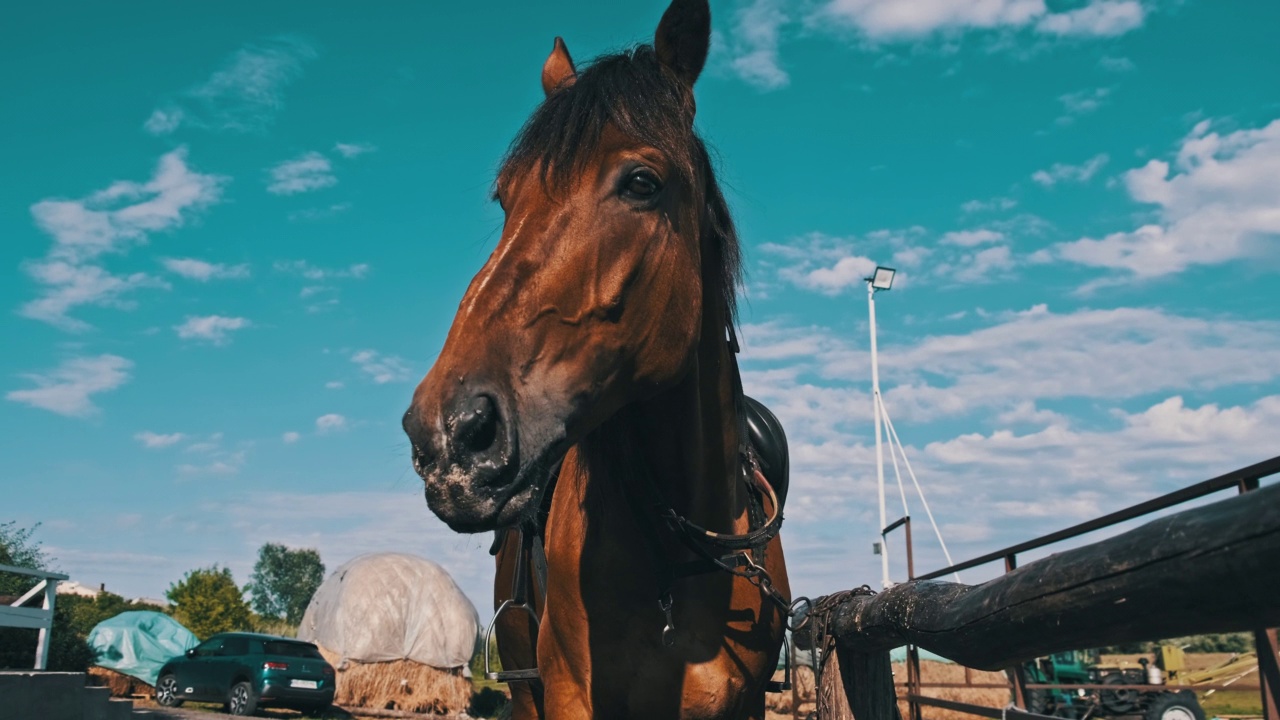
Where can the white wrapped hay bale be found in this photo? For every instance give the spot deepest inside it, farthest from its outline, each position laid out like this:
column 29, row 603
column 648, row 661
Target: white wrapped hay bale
column 398, row 630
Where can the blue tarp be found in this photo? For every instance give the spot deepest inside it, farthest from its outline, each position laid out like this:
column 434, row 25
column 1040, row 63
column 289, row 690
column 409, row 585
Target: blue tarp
column 138, row 643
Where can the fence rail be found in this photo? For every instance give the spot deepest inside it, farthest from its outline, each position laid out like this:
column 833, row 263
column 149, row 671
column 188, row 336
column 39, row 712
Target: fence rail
column 17, row 616
column 1148, row 582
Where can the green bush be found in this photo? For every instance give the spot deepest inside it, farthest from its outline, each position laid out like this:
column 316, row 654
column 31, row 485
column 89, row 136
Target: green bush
column 207, row 601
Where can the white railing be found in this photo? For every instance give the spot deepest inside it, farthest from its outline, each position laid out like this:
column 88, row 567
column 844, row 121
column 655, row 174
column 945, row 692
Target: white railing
column 41, row 618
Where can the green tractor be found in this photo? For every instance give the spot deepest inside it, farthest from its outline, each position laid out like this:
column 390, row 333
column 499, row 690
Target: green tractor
column 1083, row 667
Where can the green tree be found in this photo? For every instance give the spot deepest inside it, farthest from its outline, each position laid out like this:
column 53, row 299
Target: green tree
column 18, row 549
column 207, row 601
column 283, row 582
column 68, row 650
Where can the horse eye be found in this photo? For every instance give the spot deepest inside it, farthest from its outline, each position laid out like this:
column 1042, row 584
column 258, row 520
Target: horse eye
column 641, row 185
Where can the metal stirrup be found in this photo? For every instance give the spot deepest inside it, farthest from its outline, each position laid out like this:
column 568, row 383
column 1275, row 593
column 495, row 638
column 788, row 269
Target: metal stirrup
column 507, row 676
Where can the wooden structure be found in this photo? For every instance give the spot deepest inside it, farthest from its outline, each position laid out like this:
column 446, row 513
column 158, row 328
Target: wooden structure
column 1209, row 569
column 41, row 618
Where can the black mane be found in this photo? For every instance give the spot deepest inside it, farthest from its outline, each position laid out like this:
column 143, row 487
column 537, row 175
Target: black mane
column 635, row 93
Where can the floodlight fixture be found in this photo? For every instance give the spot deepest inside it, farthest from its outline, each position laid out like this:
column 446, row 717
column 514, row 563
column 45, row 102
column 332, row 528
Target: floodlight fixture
column 882, row 278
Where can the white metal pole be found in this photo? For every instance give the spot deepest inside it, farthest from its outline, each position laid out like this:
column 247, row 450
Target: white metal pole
column 875, row 397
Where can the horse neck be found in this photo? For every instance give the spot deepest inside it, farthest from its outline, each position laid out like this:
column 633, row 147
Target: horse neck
column 684, row 440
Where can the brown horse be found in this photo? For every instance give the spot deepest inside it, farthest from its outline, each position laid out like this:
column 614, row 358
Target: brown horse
column 598, row 337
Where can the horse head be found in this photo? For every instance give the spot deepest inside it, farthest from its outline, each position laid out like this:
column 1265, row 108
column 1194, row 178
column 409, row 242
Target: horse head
column 594, row 295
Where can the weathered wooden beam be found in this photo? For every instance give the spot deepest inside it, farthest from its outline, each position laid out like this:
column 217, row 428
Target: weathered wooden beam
column 857, row 686
column 1206, row 570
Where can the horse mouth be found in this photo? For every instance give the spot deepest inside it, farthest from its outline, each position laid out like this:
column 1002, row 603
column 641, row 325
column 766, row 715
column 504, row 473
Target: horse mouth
column 472, row 500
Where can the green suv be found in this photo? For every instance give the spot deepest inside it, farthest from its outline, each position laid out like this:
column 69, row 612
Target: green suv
column 245, row 670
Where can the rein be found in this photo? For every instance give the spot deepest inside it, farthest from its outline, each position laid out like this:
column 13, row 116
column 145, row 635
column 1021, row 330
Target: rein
column 739, row 554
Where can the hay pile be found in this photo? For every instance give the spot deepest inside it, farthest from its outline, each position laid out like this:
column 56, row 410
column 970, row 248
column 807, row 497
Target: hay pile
column 121, row 685
column 938, row 672
column 399, row 685
column 780, row 705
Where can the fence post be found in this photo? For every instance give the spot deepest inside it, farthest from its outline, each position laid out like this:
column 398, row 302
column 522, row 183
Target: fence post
column 42, row 642
column 1268, row 672
column 857, row 686
column 1017, row 678
column 1265, row 642
column 914, row 682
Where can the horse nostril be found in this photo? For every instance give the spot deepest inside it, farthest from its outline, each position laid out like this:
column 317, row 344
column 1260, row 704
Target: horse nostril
column 422, row 461
column 476, row 427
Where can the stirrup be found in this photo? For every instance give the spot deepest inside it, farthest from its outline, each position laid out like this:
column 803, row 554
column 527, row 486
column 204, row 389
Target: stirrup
column 773, row 686
column 508, row 676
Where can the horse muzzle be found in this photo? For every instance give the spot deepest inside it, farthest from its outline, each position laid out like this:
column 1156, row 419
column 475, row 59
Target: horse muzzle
column 467, row 455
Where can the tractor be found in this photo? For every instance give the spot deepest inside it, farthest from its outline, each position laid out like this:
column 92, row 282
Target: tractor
column 1165, row 700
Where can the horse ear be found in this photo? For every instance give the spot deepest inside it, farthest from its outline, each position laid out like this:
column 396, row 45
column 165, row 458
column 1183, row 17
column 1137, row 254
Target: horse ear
column 557, row 71
column 684, row 37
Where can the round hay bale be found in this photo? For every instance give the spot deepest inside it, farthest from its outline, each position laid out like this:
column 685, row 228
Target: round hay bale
column 121, row 685
column 399, row 685
column 399, row 632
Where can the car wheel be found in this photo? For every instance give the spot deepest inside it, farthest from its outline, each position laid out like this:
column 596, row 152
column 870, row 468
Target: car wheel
column 167, row 692
column 242, row 700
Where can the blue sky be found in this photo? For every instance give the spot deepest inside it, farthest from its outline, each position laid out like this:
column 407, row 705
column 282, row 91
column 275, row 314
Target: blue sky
column 235, row 236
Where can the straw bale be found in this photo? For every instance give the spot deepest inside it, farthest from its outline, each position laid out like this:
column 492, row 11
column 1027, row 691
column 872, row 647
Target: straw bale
column 939, row 672
column 121, row 685
column 399, row 685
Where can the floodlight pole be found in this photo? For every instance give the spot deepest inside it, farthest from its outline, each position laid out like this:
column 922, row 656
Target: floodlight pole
column 875, row 399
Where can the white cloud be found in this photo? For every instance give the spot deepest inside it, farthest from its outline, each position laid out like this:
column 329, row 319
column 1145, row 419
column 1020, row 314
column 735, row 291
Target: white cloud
column 163, row 122
column 331, row 422
column 334, row 385
column 68, row 389
column 204, row 271
column 753, row 46
column 126, row 212
column 110, row 221
column 885, row 20
column 986, row 265
column 305, row 173
column 1082, row 102
column 68, row 286
column 382, row 368
column 1102, row 18
column 243, row 96
column 1167, row 436
column 996, row 203
column 230, row 464
column 846, row 273
column 301, row 267
column 213, row 328
column 829, row 265
column 1116, row 64
column 1060, row 172
column 1216, row 202
column 972, row 238
column 290, row 437
column 158, row 440
column 315, row 214
column 1034, row 356
column 353, row 150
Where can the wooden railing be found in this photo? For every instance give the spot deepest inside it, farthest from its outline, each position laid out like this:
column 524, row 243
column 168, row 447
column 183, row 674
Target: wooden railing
column 16, row 615
column 1209, row 569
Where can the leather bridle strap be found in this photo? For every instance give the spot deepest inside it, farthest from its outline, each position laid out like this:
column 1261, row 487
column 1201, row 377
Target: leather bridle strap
column 727, row 541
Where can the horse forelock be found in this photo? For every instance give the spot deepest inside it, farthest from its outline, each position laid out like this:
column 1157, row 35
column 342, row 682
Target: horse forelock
column 644, row 100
